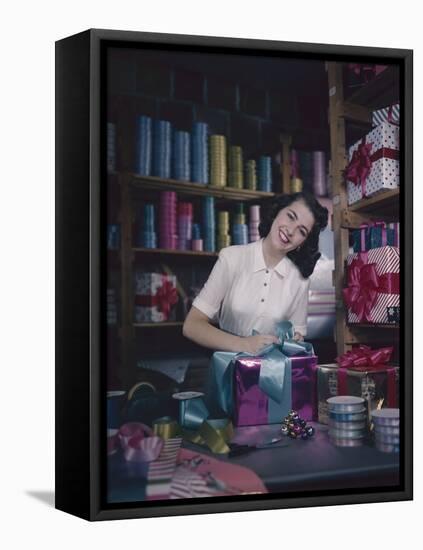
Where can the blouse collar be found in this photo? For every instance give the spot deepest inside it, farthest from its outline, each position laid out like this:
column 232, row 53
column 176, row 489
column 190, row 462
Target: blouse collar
column 282, row 267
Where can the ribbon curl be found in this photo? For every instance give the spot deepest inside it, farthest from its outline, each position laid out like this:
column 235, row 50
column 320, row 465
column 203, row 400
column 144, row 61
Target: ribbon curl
column 164, row 299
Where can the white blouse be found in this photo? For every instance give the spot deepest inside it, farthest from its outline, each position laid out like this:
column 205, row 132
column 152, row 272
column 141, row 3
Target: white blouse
column 242, row 294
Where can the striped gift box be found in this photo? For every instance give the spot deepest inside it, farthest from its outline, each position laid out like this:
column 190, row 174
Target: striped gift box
column 387, row 114
column 387, row 260
column 161, row 471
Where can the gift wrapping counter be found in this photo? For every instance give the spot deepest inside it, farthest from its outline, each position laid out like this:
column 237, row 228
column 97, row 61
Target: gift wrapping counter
column 288, row 465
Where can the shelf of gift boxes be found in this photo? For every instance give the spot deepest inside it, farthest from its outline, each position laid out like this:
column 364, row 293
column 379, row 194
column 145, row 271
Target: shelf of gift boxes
column 189, row 188
column 380, row 91
column 385, row 203
column 174, row 252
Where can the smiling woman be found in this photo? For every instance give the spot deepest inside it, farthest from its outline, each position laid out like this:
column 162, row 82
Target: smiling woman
column 254, row 287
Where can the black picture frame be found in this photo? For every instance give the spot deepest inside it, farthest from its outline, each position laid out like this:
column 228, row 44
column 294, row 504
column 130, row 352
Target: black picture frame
column 80, row 250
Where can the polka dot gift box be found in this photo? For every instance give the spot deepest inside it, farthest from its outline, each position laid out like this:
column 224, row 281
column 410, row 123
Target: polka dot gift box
column 373, row 163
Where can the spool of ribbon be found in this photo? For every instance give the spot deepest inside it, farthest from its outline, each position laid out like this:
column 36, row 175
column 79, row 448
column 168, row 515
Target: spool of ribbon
column 166, row 427
column 192, row 410
column 364, row 285
column 138, row 442
column 164, row 299
column 364, row 359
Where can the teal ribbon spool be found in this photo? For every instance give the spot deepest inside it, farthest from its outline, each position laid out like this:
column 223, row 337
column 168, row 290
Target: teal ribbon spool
column 275, row 373
column 192, row 411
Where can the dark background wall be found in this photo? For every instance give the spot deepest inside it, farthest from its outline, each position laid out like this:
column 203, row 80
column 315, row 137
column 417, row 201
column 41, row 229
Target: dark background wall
column 251, row 100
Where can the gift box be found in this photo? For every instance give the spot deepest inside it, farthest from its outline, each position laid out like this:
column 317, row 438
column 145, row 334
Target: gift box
column 376, row 382
column 327, row 386
column 373, row 163
column 375, row 235
column 155, row 296
column 389, row 114
column 373, row 285
column 262, row 389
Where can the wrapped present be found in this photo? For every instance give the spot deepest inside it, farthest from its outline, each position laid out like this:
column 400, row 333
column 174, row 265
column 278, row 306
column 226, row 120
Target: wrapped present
column 393, row 314
column 360, row 74
column 373, row 163
column 263, row 388
column 375, row 235
column 363, row 373
column 366, row 373
column 327, row 386
column 155, row 295
column 389, row 114
column 373, row 284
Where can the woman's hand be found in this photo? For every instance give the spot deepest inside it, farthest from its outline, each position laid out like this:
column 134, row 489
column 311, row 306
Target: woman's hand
column 298, row 337
column 253, row 344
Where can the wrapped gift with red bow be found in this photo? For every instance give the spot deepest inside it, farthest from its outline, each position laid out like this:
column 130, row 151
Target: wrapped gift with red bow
column 366, row 373
column 362, row 372
column 373, row 285
column 373, row 163
column 155, row 296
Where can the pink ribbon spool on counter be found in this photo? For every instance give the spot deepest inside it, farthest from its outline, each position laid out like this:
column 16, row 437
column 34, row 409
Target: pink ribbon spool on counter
column 139, row 443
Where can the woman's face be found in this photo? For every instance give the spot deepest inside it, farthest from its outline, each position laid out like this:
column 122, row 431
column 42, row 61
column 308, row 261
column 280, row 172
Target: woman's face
column 291, row 227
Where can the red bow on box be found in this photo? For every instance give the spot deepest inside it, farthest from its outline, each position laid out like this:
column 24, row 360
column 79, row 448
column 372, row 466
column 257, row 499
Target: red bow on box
column 363, row 358
column 364, row 284
column 164, row 299
column 360, row 165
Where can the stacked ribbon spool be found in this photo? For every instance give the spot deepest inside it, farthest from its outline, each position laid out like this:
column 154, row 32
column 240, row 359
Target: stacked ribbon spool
column 296, row 182
column 223, row 236
column 218, row 173
column 386, row 424
column 184, row 225
column 319, row 174
column 144, row 146
column 239, row 227
column 209, row 224
column 251, row 175
column 197, row 241
column 305, row 161
column 162, row 142
column 147, row 237
column 236, row 174
column 254, row 222
column 111, row 307
column 181, row 167
column 265, row 174
column 347, row 420
column 199, row 153
column 111, row 147
column 167, row 215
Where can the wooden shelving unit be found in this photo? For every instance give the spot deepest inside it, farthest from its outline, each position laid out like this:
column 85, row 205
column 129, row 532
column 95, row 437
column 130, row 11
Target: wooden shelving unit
column 356, row 109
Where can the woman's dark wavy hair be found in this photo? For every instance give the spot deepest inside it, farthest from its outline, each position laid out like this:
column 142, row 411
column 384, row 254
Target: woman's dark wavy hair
column 306, row 257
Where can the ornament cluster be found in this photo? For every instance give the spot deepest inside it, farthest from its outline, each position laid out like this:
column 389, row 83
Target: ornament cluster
column 295, row 427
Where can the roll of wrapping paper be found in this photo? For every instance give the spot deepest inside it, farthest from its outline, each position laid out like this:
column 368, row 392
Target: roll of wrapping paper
column 296, row 185
column 251, row 175
column 319, row 174
column 218, row 170
column 236, row 173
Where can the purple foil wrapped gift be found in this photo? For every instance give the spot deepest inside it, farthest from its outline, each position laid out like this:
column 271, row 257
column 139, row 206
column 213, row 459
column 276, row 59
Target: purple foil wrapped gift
column 251, row 403
column 304, row 386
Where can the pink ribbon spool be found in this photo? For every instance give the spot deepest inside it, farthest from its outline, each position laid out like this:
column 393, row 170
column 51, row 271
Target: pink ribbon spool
column 138, row 442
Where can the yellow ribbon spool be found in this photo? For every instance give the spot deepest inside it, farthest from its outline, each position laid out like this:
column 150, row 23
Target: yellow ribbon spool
column 296, row 185
column 166, row 428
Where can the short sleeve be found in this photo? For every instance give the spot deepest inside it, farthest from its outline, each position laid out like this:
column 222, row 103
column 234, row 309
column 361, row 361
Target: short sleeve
column 217, row 285
column 300, row 309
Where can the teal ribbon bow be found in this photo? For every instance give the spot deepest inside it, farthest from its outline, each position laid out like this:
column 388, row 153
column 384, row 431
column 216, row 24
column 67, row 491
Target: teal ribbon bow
column 275, row 371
